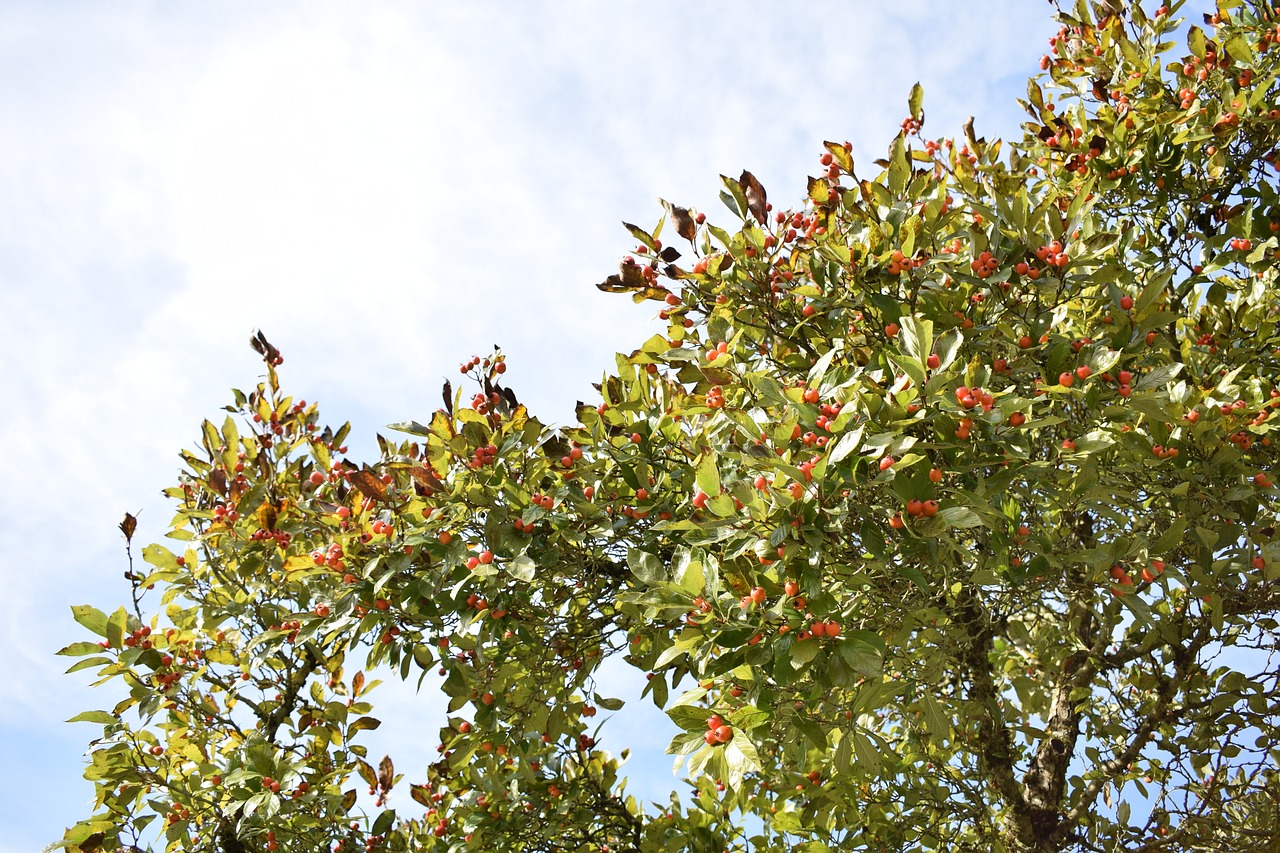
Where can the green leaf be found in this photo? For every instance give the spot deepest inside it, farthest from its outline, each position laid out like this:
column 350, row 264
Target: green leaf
column 384, row 821
column 90, row 617
column 100, row 717
column 867, row 751
column 361, row 724
column 819, row 369
column 959, row 516
column 911, row 367
column 707, row 474
column 1158, row 377
column 722, row 506
column 1238, row 48
column 160, row 557
column 863, row 651
column 691, row 579
column 935, row 721
column 412, row 428
column 847, row 444
column 1196, row 41
column 917, row 338
column 840, row 154
column 915, row 100
column 79, row 649
column 946, row 347
column 646, row 567
column 899, row 166
column 1171, row 538
column 521, row 567
column 803, row 652
column 90, row 663
column 116, row 627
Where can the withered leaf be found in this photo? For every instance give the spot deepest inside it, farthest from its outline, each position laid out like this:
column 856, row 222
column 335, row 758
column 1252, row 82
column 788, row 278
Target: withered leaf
column 639, row 233
column 368, row 484
column 357, row 684
column 92, row 843
column 670, row 254
column 218, row 481
column 128, row 526
column 555, row 447
column 267, row 515
column 448, row 397
column 426, row 478
column 263, row 347
column 386, row 773
column 632, row 277
column 685, row 226
column 756, row 198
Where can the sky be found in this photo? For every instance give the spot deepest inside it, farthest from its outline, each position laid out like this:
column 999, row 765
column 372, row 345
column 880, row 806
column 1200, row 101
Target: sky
column 385, row 188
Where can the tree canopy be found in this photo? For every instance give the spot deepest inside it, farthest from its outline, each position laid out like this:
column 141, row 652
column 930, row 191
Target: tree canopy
column 940, row 516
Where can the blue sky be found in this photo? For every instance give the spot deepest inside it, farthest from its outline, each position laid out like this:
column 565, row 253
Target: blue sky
column 385, row 188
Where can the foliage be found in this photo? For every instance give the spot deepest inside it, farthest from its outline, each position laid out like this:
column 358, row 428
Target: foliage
column 951, row 490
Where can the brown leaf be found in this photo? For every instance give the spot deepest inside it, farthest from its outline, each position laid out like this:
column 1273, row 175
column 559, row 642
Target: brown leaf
column 128, row 526
column 632, row 277
column 757, row 200
column 684, row 223
column 368, row 484
column 263, row 347
column 655, row 293
column 218, row 481
column 613, row 284
column 426, row 478
column 92, row 843
column 267, row 515
column 555, row 447
column 386, row 773
column 421, row 794
column 447, row 393
column 357, row 684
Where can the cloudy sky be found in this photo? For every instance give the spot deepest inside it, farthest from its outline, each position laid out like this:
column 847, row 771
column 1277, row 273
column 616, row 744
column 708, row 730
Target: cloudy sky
column 385, row 188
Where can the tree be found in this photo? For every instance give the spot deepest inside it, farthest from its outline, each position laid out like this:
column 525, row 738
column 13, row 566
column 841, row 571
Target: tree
column 946, row 497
